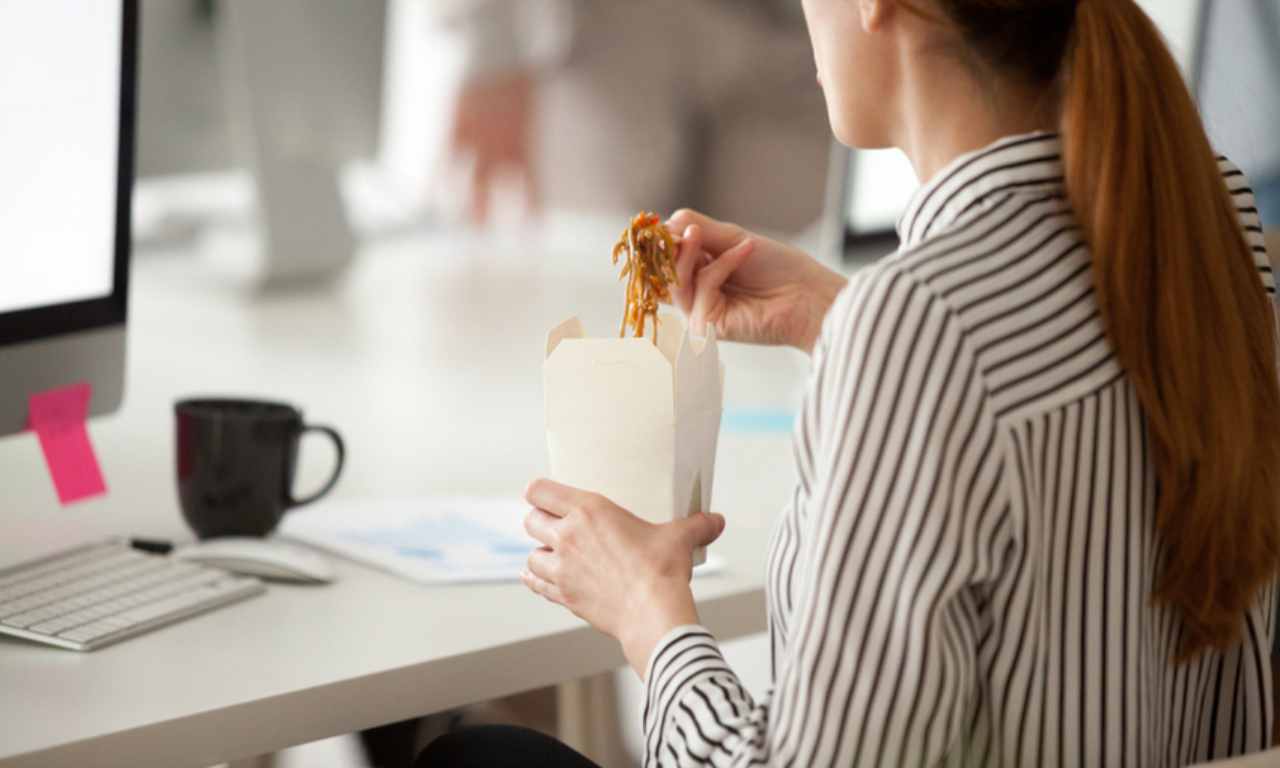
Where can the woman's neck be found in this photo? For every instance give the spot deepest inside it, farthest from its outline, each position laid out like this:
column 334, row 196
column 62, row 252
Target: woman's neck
column 946, row 111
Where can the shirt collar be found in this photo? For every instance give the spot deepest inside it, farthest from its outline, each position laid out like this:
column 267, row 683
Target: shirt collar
column 1027, row 163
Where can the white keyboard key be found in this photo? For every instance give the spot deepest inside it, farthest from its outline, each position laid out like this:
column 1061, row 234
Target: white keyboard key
column 81, row 570
column 91, row 631
column 115, row 580
column 23, row 620
column 178, row 601
column 64, row 622
column 10, row 578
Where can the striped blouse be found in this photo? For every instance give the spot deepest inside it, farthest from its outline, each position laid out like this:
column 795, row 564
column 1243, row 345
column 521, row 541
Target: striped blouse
column 963, row 574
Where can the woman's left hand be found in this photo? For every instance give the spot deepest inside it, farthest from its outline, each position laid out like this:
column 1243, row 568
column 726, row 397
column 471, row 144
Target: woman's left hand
column 626, row 577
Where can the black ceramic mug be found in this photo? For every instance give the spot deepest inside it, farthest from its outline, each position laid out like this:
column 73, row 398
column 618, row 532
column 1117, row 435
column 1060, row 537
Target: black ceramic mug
column 236, row 464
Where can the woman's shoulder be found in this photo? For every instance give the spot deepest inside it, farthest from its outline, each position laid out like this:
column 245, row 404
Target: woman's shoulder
column 891, row 339
column 887, row 307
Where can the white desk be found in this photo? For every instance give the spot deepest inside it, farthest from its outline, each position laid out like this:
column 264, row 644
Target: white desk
column 426, row 357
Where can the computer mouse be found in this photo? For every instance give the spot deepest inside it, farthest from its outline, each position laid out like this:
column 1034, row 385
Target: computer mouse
column 267, row 558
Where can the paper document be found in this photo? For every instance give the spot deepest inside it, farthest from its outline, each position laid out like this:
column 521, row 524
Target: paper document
column 432, row 540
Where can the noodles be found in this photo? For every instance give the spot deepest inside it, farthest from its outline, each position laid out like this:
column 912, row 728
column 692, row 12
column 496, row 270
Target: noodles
column 650, row 269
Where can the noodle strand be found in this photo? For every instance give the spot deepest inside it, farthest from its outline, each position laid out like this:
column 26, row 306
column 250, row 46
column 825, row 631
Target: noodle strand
column 649, row 267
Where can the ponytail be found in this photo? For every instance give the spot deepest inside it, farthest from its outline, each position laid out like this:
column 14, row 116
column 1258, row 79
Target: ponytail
column 1176, row 285
column 1185, row 312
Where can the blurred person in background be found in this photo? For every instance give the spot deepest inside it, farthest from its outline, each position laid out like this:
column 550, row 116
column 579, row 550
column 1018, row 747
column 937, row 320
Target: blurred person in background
column 629, row 104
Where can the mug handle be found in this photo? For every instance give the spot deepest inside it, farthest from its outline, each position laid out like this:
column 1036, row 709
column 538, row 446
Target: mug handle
column 337, row 470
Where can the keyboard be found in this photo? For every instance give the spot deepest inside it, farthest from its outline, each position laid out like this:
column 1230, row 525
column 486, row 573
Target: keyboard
column 92, row 596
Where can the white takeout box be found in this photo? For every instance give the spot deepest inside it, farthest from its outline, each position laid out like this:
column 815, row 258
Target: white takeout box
column 635, row 422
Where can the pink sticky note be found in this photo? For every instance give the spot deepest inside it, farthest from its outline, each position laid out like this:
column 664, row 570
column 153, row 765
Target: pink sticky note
column 58, row 417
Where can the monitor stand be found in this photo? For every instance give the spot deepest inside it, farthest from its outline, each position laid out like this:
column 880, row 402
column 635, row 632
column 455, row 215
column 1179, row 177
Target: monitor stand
column 270, row 67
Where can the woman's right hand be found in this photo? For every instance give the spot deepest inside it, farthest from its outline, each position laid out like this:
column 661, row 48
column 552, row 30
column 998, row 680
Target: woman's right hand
column 750, row 288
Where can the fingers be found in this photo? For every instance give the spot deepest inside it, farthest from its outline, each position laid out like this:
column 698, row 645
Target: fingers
column 542, row 587
column 543, row 526
column 687, row 261
column 543, row 564
column 701, row 529
column 717, row 236
column 553, row 497
column 713, row 276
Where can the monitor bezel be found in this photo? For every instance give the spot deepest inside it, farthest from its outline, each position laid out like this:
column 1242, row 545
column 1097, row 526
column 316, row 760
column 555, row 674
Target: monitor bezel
column 77, row 316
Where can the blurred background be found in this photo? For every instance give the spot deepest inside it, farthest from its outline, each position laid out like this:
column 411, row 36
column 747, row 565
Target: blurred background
column 283, row 142
column 515, row 114
column 428, row 113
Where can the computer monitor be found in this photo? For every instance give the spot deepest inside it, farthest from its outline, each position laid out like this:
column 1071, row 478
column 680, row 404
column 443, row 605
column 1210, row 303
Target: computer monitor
column 874, row 186
column 67, row 83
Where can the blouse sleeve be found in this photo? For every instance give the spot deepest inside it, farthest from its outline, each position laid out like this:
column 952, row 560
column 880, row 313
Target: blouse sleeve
column 904, row 515
column 1246, row 206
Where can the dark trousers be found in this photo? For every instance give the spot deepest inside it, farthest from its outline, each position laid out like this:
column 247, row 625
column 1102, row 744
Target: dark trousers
column 391, row 746
column 499, row 746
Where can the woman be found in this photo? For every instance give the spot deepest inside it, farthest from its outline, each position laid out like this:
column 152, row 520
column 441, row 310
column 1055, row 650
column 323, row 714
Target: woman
column 1035, row 522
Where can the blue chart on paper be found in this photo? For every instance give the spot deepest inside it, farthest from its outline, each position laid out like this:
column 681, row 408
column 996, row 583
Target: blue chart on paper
column 431, row 540
column 447, row 537
column 448, row 540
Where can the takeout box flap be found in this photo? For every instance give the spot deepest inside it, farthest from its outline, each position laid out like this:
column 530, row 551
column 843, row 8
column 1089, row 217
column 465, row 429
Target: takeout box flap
column 699, row 399
column 569, row 329
column 698, row 371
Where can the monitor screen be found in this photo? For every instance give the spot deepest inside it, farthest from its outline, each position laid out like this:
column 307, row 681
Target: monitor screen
column 60, row 75
column 881, row 182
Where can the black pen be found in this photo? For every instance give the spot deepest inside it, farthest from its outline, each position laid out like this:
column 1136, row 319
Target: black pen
column 153, row 546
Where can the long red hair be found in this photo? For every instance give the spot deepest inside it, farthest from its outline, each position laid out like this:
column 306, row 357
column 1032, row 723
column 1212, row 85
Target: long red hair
column 1177, row 287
